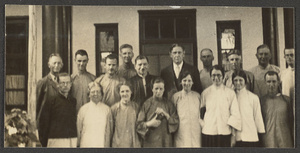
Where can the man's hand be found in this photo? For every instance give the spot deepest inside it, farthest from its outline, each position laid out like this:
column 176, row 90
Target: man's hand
column 153, row 122
column 162, row 112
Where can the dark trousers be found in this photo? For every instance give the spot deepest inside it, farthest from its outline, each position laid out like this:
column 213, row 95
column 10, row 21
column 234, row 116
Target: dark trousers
column 246, row 144
column 216, row 140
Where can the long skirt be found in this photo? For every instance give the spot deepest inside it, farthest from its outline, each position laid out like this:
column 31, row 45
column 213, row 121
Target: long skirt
column 216, row 140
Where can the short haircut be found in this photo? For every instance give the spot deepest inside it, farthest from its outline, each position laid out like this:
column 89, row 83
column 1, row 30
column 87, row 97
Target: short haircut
column 94, row 84
column 126, row 83
column 176, row 45
column 239, row 73
column 288, row 49
column 140, row 57
column 63, row 74
column 217, row 67
column 261, row 47
column 271, row 73
column 54, row 54
column 205, row 50
column 82, row 53
column 156, row 80
column 125, row 46
column 185, row 74
column 112, row 56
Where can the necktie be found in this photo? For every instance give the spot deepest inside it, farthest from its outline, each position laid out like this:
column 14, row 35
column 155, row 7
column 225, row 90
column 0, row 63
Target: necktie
column 177, row 71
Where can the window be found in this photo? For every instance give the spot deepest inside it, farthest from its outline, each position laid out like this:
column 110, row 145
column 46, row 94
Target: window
column 16, row 62
column 107, row 42
column 159, row 29
column 229, row 37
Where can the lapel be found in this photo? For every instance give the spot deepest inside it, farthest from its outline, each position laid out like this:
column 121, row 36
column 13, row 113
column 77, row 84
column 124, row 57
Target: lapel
column 51, row 82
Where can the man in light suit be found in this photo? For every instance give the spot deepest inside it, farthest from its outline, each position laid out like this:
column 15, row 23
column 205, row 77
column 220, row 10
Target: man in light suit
column 173, row 73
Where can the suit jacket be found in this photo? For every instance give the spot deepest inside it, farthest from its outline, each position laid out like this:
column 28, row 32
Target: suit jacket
column 172, row 84
column 46, row 89
column 138, row 90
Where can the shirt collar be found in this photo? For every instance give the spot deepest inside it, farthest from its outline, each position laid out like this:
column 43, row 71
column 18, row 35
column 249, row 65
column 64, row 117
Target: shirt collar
column 52, row 77
column 180, row 65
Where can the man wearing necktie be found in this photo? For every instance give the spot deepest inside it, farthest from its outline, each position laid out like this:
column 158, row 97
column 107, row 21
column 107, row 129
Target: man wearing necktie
column 46, row 88
column 172, row 73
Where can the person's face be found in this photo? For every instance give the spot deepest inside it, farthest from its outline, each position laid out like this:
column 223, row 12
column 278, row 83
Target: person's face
column 239, row 83
column 177, row 55
column 235, row 61
column 64, row 84
column 95, row 94
column 126, row 54
column 263, row 56
column 217, row 77
column 55, row 64
column 289, row 55
column 206, row 58
column 158, row 89
column 142, row 66
column 125, row 93
column 81, row 62
column 111, row 66
column 187, row 83
column 272, row 83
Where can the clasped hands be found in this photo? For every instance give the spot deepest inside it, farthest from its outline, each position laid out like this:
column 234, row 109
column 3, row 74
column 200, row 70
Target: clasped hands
column 154, row 122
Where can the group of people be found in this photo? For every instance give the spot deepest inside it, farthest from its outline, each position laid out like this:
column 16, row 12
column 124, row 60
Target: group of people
column 128, row 107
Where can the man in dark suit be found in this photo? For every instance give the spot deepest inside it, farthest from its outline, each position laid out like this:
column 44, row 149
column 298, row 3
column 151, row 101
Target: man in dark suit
column 173, row 73
column 47, row 86
column 141, row 82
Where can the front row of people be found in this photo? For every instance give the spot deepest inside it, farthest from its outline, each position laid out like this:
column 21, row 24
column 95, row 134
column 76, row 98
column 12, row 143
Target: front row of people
column 231, row 117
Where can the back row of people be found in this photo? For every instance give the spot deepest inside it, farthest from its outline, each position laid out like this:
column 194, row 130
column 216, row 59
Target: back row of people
column 109, row 82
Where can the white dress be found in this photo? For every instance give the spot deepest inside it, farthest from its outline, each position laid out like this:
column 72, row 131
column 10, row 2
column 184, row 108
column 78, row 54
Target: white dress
column 188, row 109
column 94, row 125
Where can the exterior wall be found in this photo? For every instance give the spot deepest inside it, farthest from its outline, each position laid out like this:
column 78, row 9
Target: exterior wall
column 23, row 10
column 84, row 18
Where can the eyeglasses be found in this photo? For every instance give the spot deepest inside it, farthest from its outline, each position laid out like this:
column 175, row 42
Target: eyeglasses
column 216, row 75
column 65, row 83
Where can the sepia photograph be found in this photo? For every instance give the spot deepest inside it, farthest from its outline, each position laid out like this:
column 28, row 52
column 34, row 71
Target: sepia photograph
column 96, row 76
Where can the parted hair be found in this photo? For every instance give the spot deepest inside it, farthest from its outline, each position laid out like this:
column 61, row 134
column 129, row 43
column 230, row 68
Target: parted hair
column 239, row 73
column 94, row 84
column 217, row 67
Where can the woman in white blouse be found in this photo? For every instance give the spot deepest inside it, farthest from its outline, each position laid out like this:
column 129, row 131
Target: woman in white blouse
column 249, row 105
column 94, row 120
column 187, row 103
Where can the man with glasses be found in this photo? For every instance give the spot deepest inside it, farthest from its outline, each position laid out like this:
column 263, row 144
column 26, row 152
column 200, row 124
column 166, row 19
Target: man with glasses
column 57, row 122
column 222, row 116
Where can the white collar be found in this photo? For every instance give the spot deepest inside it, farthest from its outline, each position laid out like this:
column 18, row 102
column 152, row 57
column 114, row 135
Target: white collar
column 180, row 65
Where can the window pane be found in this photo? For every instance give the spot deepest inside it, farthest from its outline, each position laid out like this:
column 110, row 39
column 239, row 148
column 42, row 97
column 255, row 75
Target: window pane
column 228, row 39
column 183, row 28
column 15, row 97
column 107, row 42
column 15, row 82
column 151, row 28
column 167, row 28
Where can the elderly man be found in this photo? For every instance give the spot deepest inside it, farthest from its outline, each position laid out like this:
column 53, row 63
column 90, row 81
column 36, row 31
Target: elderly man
column 173, row 73
column 110, row 81
column 206, row 56
column 141, row 83
column 277, row 115
column 127, row 69
column 57, row 123
column 235, row 60
column 47, row 87
column 263, row 56
column 81, row 79
column 222, row 116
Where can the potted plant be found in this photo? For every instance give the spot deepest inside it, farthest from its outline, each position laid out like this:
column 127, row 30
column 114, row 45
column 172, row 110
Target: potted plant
column 19, row 130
